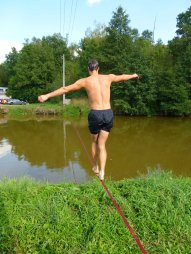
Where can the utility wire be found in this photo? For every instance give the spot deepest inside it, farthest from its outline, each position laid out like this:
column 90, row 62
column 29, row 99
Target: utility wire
column 64, row 34
column 60, row 15
column 154, row 30
column 70, row 19
column 74, row 18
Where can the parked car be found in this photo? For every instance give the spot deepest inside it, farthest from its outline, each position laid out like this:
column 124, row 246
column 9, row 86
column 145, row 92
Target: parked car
column 16, row 102
column 3, row 101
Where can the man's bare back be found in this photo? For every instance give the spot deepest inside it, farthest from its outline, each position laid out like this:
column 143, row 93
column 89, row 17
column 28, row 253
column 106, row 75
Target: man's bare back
column 98, row 90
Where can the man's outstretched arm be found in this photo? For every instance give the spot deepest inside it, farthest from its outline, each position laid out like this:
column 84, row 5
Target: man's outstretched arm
column 123, row 77
column 76, row 86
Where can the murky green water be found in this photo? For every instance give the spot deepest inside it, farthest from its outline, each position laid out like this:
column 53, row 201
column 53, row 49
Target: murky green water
column 51, row 150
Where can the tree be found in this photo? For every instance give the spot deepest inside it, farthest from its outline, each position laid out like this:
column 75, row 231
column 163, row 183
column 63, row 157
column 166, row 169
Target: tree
column 34, row 72
column 173, row 95
column 147, row 35
column 180, row 45
column 180, row 49
column 91, row 47
column 10, row 63
column 59, row 47
column 126, row 52
column 119, row 23
column 118, row 43
column 184, row 24
column 37, row 68
column 3, row 76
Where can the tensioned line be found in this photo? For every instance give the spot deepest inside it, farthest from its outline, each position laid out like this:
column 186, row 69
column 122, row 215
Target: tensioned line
column 111, row 197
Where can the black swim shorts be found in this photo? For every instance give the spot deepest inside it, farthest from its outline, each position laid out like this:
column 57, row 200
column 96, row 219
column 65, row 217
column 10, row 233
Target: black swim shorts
column 100, row 120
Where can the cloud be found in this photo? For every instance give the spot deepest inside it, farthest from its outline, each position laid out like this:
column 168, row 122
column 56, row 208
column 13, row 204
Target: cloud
column 5, row 48
column 91, row 2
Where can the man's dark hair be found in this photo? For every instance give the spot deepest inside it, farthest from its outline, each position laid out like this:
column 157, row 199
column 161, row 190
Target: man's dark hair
column 93, row 65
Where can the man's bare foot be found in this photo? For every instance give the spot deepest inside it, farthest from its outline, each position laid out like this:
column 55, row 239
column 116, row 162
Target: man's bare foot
column 101, row 175
column 96, row 170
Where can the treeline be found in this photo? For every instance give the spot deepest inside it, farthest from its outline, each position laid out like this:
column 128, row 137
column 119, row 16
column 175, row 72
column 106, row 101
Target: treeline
column 165, row 70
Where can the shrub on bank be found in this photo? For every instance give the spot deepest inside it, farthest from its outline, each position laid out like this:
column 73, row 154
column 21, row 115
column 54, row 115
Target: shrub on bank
column 74, row 109
column 67, row 218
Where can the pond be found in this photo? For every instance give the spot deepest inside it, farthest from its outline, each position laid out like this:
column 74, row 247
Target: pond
column 49, row 149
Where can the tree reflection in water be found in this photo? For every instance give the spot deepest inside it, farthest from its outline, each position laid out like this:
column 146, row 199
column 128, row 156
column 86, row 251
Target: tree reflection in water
column 51, row 149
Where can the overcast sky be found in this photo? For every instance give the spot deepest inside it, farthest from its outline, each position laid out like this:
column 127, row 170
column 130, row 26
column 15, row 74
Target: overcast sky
column 22, row 19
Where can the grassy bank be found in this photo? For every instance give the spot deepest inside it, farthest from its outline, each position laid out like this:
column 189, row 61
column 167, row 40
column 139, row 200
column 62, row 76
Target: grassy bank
column 68, row 218
column 75, row 108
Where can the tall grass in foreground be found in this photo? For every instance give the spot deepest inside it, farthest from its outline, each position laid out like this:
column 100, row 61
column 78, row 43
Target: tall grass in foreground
column 68, row 218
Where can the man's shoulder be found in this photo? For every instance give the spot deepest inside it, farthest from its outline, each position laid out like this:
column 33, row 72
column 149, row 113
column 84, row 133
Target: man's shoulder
column 105, row 76
column 109, row 77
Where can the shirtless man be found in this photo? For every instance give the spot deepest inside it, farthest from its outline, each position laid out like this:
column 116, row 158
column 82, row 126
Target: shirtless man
column 100, row 118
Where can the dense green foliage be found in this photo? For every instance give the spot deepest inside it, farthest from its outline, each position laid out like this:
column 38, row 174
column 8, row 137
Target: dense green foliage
column 65, row 218
column 163, row 89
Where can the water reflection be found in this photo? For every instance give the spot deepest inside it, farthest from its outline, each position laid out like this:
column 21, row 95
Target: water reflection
column 5, row 148
column 50, row 149
column 42, row 150
column 152, row 142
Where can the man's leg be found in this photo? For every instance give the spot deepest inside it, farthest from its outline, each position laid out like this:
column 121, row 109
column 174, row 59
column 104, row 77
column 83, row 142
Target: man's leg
column 95, row 153
column 103, row 136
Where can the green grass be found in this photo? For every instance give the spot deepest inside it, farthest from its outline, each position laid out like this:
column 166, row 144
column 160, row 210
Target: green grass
column 68, row 218
column 76, row 108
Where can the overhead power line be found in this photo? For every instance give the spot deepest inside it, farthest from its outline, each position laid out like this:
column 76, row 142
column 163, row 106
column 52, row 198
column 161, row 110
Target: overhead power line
column 64, row 15
column 60, row 15
column 64, row 18
column 70, row 19
column 74, row 18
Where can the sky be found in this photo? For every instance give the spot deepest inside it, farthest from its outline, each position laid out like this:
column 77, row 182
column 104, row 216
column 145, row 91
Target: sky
column 24, row 19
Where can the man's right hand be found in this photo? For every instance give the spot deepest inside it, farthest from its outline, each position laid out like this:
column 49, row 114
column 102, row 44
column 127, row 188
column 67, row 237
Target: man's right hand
column 42, row 98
